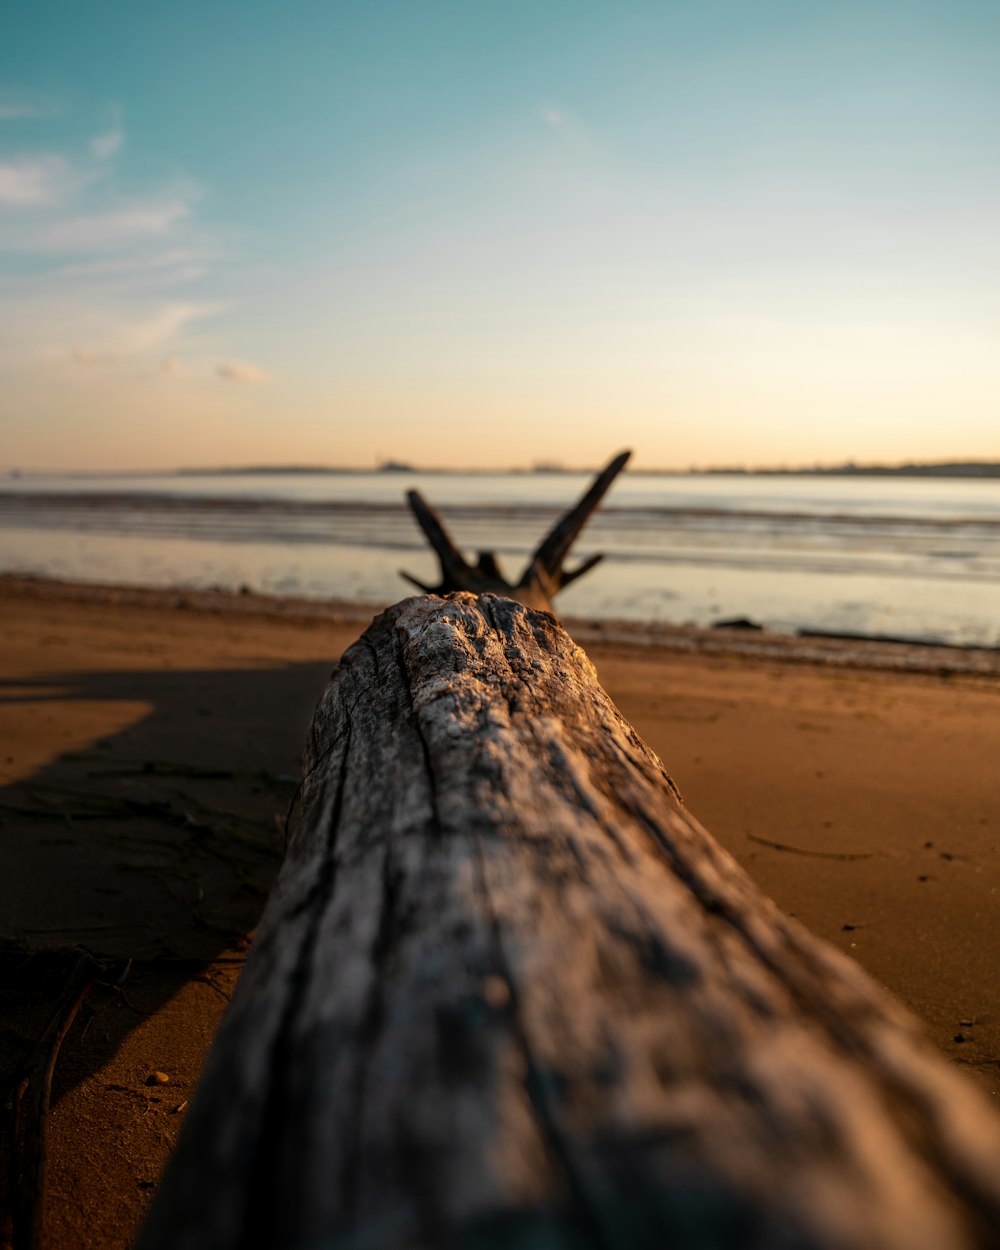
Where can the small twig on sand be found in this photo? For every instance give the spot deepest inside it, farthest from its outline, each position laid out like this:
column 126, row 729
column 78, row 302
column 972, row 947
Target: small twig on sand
column 205, row 979
column 801, row 850
column 32, row 1087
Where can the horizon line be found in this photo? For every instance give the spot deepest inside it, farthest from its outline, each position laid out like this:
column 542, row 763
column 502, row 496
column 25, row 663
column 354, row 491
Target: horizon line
column 850, row 467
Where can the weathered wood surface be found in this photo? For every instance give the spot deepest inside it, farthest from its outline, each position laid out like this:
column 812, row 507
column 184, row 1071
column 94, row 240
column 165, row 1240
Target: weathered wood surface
column 508, row 993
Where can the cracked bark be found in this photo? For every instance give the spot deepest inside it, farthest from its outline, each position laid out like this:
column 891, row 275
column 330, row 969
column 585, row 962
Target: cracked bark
column 507, row 992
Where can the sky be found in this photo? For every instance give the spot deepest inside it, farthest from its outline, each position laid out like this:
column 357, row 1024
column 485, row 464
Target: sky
column 471, row 234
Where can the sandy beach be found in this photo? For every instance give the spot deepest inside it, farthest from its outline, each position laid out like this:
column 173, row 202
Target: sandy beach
column 150, row 747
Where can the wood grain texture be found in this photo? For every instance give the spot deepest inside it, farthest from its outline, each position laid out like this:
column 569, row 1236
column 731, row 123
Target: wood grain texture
column 507, row 992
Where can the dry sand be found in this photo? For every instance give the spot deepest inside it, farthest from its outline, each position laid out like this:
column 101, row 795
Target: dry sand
column 150, row 745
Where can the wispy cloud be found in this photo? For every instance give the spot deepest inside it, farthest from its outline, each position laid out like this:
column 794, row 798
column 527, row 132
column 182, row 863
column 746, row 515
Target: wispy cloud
column 164, row 325
column 115, row 228
column 240, row 373
column 154, row 268
column 15, row 105
column 116, row 338
column 558, row 117
column 104, row 281
column 107, row 145
column 566, row 127
column 77, row 193
column 31, row 181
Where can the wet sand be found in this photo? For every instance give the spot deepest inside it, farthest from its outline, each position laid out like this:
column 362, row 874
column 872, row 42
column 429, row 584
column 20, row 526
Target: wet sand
column 150, row 746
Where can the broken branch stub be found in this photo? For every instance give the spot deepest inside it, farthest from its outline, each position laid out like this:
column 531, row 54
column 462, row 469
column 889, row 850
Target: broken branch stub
column 545, row 574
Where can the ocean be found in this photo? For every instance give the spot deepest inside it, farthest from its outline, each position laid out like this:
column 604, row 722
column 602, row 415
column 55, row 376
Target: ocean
column 917, row 558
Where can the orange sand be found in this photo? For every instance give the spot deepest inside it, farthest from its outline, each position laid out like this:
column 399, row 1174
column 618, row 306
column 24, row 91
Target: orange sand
column 148, row 752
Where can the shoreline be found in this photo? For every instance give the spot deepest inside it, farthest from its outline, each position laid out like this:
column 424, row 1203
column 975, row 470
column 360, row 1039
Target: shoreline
column 745, row 639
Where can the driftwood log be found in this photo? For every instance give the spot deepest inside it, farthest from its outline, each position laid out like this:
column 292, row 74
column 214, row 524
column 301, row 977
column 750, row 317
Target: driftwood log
column 508, row 993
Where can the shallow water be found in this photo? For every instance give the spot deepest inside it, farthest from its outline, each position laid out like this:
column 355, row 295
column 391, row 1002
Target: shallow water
column 911, row 557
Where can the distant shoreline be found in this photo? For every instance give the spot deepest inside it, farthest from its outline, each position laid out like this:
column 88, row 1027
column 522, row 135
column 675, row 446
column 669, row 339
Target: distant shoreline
column 951, row 469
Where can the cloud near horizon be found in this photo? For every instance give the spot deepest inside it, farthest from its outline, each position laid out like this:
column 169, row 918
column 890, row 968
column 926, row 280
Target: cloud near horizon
column 240, row 373
column 165, row 325
column 117, row 338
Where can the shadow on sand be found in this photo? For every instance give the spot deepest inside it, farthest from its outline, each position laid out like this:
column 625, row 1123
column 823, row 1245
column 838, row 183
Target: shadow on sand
column 151, row 850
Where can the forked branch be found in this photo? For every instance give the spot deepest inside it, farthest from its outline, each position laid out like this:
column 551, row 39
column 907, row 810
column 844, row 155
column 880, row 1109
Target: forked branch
column 545, row 574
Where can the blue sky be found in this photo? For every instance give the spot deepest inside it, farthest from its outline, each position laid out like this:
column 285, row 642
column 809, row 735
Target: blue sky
column 471, row 234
